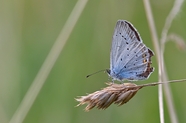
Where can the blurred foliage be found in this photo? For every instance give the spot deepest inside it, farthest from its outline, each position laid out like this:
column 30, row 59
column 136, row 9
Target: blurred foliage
column 28, row 29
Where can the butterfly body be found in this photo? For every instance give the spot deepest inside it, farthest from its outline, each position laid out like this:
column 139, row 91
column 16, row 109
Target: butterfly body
column 130, row 59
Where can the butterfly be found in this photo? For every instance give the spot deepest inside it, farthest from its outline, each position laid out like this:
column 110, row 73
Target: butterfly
column 130, row 59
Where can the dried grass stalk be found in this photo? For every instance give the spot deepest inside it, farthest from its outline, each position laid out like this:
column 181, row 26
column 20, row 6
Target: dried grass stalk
column 114, row 93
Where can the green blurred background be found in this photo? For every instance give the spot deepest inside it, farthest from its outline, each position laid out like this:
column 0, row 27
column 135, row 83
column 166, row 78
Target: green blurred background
column 28, row 29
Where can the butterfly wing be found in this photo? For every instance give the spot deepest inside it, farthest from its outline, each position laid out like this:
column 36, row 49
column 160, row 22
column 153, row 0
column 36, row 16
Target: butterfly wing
column 129, row 58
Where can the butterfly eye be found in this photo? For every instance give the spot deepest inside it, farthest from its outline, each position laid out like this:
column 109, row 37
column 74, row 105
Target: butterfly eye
column 108, row 71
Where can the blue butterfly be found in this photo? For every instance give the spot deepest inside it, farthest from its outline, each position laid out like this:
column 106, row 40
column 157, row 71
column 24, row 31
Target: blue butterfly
column 130, row 59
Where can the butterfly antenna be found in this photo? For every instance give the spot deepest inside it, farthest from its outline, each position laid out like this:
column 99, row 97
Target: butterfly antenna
column 95, row 73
